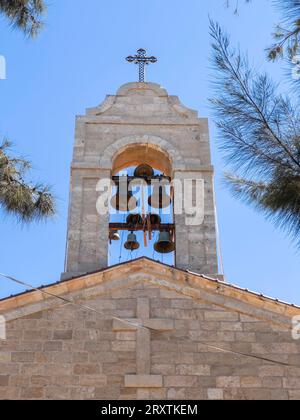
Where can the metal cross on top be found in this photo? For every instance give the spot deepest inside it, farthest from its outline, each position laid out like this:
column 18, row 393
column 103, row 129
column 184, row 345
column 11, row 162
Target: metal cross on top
column 142, row 60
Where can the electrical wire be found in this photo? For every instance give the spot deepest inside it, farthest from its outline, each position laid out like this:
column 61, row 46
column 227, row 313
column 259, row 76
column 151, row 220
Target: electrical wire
column 71, row 302
column 122, row 242
column 155, row 240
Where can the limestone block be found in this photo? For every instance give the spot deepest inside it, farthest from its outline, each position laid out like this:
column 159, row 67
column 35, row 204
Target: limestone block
column 215, row 394
column 143, row 381
column 228, row 382
column 180, row 381
column 4, row 380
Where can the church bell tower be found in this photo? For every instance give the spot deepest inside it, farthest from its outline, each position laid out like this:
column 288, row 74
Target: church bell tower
column 142, row 132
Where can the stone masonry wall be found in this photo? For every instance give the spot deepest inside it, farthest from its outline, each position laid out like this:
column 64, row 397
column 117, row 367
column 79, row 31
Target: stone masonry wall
column 71, row 353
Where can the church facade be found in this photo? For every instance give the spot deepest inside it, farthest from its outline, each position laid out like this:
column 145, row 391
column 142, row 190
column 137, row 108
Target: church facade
column 142, row 329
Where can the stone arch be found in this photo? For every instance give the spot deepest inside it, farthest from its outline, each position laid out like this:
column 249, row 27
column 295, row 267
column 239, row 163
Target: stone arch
column 142, row 153
column 109, row 154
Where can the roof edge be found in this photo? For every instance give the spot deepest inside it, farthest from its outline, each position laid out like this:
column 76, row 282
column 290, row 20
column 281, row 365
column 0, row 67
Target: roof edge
column 209, row 284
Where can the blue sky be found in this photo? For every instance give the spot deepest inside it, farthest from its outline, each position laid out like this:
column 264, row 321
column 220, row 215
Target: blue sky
column 117, row 253
column 78, row 59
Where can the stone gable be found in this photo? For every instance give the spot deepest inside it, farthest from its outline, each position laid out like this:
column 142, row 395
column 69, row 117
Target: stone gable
column 171, row 345
column 144, row 100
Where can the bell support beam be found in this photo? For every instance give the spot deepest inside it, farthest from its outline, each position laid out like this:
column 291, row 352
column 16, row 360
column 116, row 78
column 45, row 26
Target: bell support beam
column 140, row 227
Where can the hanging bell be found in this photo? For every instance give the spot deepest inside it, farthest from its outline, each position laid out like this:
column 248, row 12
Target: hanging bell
column 155, row 219
column 160, row 198
column 124, row 202
column 144, row 171
column 114, row 235
column 132, row 243
column 164, row 245
column 134, row 220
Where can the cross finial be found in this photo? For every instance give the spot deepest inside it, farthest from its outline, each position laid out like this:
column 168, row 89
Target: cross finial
column 142, row 60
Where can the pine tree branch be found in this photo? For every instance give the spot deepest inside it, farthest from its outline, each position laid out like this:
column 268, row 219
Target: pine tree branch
column 25, row 201
column 24, row 14
column 260, row 132
column 222, row 44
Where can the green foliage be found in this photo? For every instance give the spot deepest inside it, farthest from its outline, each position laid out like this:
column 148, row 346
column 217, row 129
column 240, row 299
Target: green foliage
column 24, row 201
column 260, row 135
column 287, row 34
column 236, row 4
column 24, row 14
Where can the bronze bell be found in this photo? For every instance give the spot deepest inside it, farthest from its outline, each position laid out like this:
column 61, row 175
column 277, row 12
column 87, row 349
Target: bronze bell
column 155, row 219
column 144, row 171
column 124, row 202
column 134, row 220
column 132, row 243
column 114, row 235
column 159, row 199
column 164, row 245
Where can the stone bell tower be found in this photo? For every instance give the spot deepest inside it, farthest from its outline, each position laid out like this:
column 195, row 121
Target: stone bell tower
column 140, row 124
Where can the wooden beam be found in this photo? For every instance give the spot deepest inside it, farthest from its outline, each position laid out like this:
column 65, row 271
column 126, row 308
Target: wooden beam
column 140, row 227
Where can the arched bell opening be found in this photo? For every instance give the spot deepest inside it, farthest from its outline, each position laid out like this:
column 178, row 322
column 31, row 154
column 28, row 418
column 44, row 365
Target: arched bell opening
column 135, row 155
column 146, row 228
